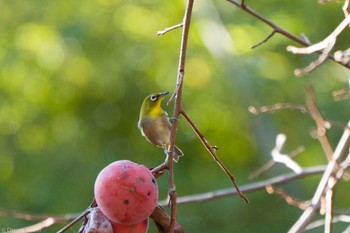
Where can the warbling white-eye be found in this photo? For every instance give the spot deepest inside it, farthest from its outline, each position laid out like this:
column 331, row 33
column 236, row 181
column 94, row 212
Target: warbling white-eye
column 154, row 123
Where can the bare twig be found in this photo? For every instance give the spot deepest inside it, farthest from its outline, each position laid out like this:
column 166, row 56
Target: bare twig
column 313, row 65
column 262, row 169
column 275, row 107
column 272, row 162
column 321, row 222
column 342, row 56
column 325, row 46
column 211, row 150
column 77, row 219
column 260, row 185
column 305, row 38
column 166, row 30
column 278, row 29
column 324, row 43
column 329, row 204
column 45, row 220
column 288, row 198
column 282, row 158
column 265, row 40
column 35, row 227
column 34, row 216
column 267, row 22
column 320, row 122
column 340, row 125
column 342, row 94
column 332, row 167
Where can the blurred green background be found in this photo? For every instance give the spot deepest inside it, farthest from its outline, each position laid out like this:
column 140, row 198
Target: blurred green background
column 73, row 75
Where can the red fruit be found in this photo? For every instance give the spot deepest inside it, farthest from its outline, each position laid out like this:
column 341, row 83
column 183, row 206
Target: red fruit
column 141, row 227
column 126, row 192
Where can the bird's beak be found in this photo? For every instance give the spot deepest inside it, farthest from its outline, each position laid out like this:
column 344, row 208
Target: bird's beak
column 163, row 93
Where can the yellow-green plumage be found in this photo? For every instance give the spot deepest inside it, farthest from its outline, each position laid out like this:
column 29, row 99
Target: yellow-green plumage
column 154, row 123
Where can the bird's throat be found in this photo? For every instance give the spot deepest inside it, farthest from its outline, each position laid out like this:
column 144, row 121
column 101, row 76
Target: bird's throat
column 155, row 112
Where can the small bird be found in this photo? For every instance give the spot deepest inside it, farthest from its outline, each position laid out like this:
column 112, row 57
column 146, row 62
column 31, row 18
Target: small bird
column 154, row 123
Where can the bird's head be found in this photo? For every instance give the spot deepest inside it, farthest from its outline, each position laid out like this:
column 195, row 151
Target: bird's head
column 152, row 104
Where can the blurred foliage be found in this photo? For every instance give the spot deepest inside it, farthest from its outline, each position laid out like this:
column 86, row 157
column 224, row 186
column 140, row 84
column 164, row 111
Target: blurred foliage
column 73, row 75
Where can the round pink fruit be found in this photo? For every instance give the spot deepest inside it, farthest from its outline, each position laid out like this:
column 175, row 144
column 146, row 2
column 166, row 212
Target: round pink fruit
column 141, row 227
column 126, row 192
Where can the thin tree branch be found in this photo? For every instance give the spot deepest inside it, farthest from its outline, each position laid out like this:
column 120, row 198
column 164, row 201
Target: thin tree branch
column 279, row 30
column 166, row 30
column 272, row 162
column 211, row 150
column 275, row 107
column 77, row 219
column 278, row 157
column 288, row 198
column 34, row 216
column 342, row 94
column 265, row 40
column 339, row 218
column 195, row 198
column 324, row 43
column 35, row 227
column 320, row 122
column 177, row 110
column 313, row 65
column 260, row 17
column 329, row 204
column 325, row 46
column 342, row 56
column 248, row 188
column 332, row 167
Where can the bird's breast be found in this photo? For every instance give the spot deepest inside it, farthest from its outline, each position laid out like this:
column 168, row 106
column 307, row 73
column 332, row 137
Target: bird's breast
column 155, row 129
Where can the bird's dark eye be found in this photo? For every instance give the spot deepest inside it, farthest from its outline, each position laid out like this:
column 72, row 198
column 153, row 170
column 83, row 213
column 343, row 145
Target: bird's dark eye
column 153, row 98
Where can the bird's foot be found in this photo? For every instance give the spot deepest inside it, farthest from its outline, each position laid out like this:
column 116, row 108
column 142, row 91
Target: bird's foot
column 171, row 154
column 173, row 119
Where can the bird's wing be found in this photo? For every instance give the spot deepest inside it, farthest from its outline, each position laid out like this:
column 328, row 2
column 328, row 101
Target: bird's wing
column 140, row 128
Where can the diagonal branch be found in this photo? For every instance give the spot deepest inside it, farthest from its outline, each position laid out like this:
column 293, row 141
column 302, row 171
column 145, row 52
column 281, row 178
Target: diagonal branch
column 324, row 47
column 324, row 43
column 266, row 39
column 280, row 30
column 332, row 167
column 211, row 150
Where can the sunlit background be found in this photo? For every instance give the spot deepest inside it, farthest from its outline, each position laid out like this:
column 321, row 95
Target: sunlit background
column 73, row 75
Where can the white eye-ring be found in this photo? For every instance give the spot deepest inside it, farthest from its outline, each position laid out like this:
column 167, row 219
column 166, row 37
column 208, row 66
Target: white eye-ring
column 153, row 98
